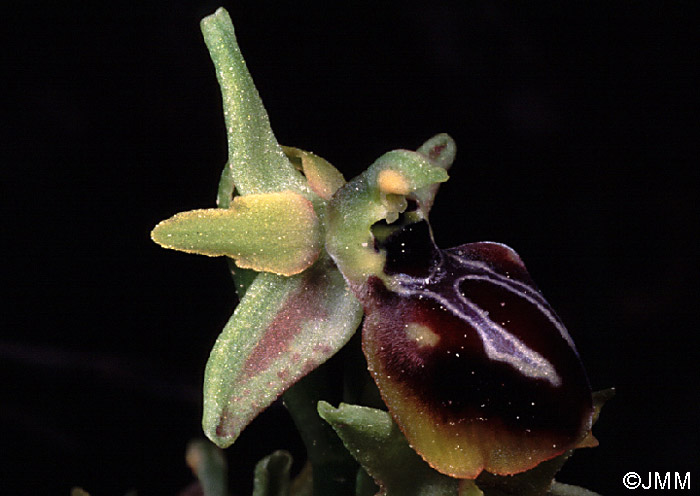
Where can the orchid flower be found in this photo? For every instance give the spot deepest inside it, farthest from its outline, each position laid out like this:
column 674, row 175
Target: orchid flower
column 478, row 375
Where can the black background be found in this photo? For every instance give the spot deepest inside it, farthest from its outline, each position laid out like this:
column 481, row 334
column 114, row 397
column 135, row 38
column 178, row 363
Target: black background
column 574, row 125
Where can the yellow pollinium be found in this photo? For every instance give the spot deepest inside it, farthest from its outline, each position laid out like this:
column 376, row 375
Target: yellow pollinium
column 393, row 182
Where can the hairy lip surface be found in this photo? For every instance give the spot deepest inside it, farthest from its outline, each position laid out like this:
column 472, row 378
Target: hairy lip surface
column 474, row 365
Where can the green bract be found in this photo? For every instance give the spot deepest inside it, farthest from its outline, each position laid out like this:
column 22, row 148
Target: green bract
column 302, row 244
column 381, row 449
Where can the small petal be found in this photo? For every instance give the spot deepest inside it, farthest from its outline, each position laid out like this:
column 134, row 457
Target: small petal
column 271, row 232
column 323, row 178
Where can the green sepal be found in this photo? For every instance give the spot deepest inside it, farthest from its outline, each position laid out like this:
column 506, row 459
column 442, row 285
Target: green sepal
column 272, row 232
column 209, row 465
column 283, row 328
column 256, row 162
column 376, row 442
column 272, row 475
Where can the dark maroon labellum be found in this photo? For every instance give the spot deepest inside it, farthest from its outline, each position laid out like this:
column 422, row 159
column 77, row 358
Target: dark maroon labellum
column 473, row 363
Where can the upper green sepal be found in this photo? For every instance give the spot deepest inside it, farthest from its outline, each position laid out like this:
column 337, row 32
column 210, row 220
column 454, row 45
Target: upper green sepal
column 271, row 232
column 256, row 161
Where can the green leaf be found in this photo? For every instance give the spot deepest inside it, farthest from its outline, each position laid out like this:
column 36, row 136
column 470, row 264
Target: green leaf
column 272, row 232
column 256, row 162
column 559, row 489
column 283, row 328
column 377, row 443
column 272, row 475
column 209, row 465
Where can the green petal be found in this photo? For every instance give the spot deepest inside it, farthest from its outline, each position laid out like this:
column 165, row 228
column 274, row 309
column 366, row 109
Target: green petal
column 256, row 162
column 283, row 328
column 272, row 232
column 377, row 443
column 323, row 178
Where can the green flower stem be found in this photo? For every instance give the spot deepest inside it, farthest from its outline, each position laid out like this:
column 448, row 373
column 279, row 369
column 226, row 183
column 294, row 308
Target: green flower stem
column 358, row 386
column 334, row 470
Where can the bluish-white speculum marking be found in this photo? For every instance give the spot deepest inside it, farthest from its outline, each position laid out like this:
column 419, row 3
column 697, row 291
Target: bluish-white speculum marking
column 519, row 289
column 499, row 344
